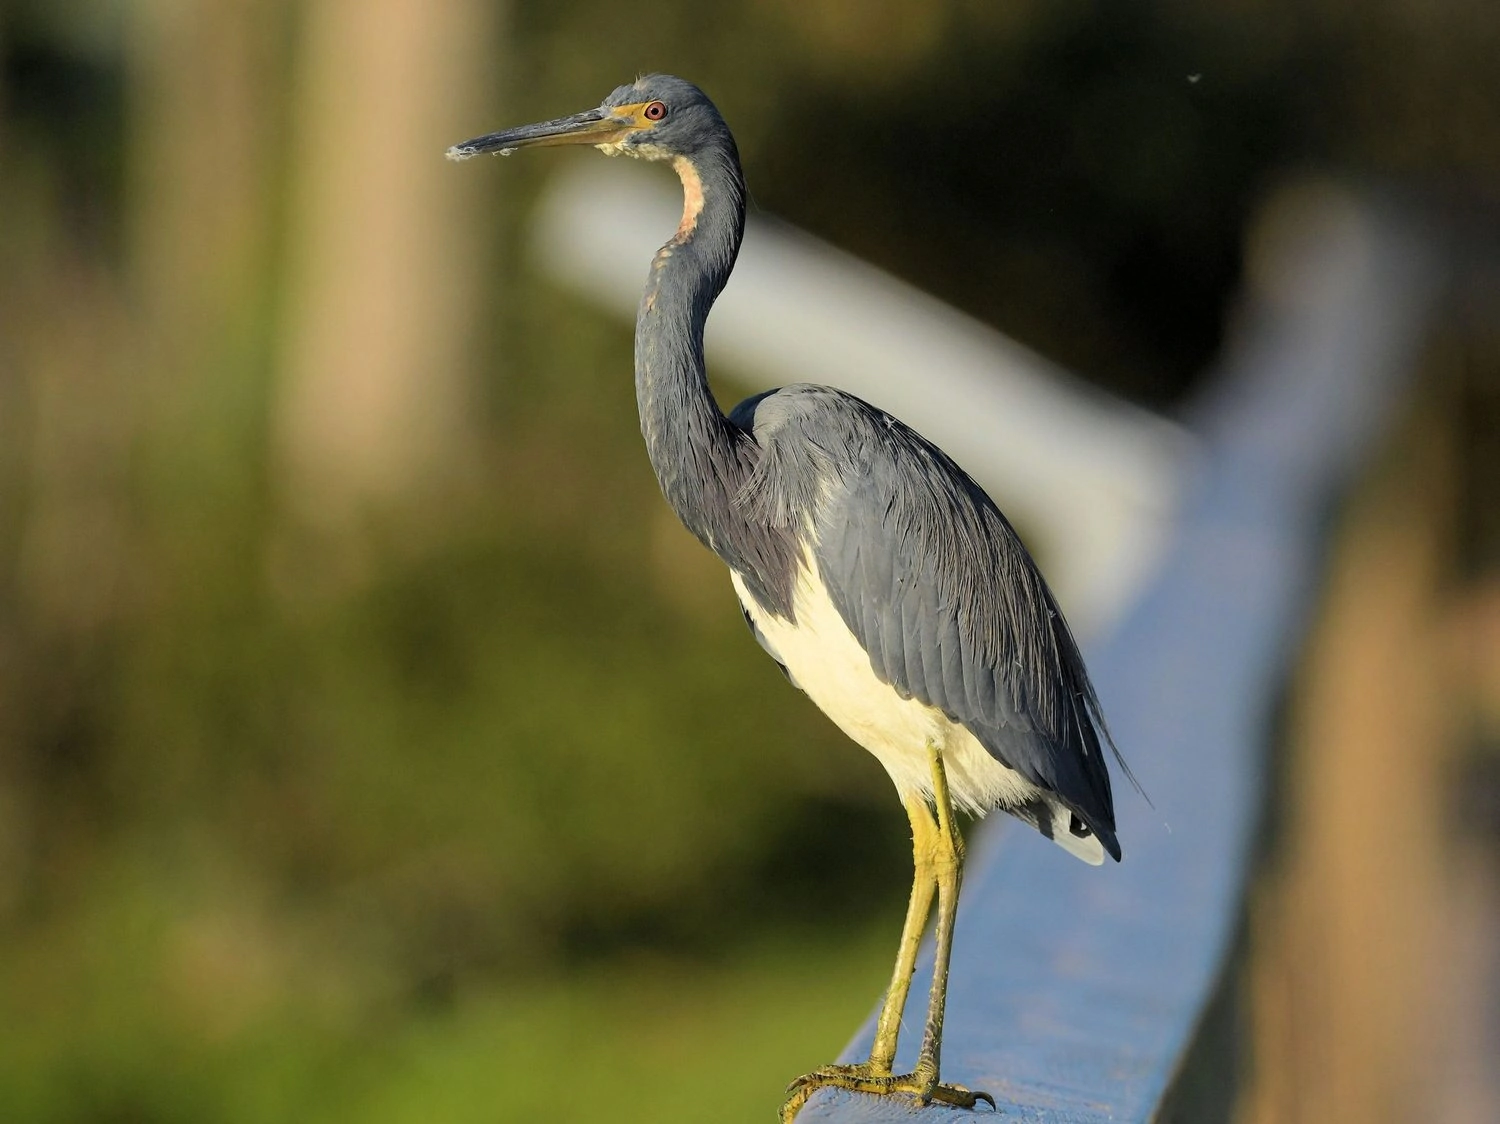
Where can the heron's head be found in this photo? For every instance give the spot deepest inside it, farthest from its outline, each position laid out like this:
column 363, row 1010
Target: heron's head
column 657, row 117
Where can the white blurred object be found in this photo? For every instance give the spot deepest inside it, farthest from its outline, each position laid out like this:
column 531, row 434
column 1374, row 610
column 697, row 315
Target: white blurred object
column 1092, row 480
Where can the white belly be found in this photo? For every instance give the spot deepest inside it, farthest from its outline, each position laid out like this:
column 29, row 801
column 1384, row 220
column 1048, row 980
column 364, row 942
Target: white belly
column 833, row 668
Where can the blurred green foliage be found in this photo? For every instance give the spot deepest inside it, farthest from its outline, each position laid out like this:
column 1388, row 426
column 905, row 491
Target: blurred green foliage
column 483, row 804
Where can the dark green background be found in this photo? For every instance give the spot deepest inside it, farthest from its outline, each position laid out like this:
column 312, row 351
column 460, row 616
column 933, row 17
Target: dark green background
column 512, row 822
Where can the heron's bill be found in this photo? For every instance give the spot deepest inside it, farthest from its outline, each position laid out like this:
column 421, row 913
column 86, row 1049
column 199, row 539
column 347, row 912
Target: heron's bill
column 602, row 126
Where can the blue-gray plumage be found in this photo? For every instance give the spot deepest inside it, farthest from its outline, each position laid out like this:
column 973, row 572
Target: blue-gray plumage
column 872, row 568
column 936, row 587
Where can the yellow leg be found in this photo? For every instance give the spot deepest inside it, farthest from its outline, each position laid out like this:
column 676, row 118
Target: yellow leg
column 948, row 866
column 923, row 886
column 938, row 853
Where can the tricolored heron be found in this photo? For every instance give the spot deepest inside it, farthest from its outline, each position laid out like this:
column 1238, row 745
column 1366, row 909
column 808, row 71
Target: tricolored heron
column 880, row 577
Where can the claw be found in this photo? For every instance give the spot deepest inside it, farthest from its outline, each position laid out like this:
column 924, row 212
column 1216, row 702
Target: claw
column 959, row 1097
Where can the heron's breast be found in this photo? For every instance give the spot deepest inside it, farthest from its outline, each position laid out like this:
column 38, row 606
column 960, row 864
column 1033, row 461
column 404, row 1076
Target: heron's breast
column 829, row 663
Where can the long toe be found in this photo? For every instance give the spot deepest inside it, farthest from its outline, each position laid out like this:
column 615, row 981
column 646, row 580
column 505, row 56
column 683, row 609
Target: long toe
column 838, row 1074
column 859, row 1079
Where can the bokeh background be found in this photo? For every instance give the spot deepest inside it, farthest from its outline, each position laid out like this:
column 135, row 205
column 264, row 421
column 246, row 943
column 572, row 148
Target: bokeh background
column 374, row 746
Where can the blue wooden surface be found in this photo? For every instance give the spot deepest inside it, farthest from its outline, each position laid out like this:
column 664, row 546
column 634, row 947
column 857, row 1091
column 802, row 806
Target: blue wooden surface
column 1075, row 991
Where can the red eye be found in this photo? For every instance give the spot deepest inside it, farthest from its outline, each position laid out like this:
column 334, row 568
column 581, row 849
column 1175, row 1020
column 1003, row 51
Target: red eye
column 655, row 111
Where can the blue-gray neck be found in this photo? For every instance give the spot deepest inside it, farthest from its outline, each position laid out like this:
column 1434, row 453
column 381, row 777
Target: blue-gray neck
column 700, row 458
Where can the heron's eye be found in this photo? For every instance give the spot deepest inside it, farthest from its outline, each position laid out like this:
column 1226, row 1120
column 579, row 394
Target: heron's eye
column 655, row 111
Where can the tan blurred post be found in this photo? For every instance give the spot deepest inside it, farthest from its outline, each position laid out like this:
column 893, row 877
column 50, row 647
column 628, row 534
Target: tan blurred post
column 1356, row 937
column 202, row 132
column 115, row 358
column 372, row 414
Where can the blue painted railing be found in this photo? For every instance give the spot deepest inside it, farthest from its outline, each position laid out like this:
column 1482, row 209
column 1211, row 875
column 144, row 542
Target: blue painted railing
column 1077, row 993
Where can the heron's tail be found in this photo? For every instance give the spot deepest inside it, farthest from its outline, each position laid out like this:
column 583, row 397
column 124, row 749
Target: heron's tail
column 1066, row 828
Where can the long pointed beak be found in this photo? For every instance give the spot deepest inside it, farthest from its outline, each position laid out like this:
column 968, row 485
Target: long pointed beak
column 594, row 126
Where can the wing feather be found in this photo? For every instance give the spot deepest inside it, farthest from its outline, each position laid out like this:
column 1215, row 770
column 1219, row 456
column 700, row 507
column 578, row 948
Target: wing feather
column 938, row 588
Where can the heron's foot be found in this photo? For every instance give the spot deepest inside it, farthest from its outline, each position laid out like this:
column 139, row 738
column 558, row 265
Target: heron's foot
column 921, row 1085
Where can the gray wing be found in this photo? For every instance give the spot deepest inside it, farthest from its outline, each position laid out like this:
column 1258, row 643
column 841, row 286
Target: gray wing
column 937, row 587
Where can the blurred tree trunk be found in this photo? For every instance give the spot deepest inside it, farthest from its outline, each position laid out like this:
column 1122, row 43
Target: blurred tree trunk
column 203, row 157
column 373, row 416
column 203, row 134
column 1365, row 933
